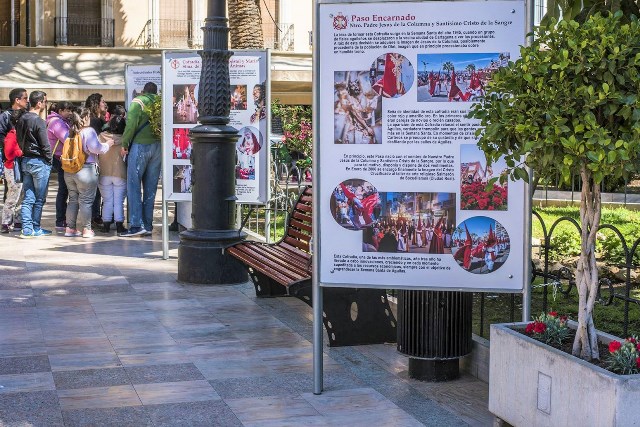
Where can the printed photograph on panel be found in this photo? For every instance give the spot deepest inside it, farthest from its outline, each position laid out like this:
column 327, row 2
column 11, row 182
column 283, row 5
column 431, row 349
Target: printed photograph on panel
column 181, row 143
column 480, row 245
column 182, row 179
column 357, row 109
column 475, row 174
column 185, row 104
column 456, row 77
column 259, row 93
column 239, row 97
column 355, row 204
column 411, row 223
column 391, row 75
column 248, row 145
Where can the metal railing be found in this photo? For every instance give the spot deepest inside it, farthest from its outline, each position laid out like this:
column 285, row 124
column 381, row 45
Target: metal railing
column 278, row 36
column 84, row 32
column 169, row 33
column 5, row 32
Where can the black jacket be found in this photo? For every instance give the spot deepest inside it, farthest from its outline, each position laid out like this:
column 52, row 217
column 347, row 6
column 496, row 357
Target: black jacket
column 31, row 132
column 5, row 127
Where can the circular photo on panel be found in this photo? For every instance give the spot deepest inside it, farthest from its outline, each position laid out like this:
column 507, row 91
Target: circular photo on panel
column 391, row 75
column 355, row 204
column 480, row 245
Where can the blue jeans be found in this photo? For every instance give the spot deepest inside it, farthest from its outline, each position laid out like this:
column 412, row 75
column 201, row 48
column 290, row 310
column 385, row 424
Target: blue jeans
column 35, row 183
column 143, row 172
column 63, row 193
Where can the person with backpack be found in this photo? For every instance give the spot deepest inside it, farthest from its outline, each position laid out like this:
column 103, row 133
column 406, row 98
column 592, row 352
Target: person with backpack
column 14, row 194
column 19, row 101
column 79, row 161
column 99, row 112
column 113, row 173
column 35, row 163
column 57, row 132
column 144, row 163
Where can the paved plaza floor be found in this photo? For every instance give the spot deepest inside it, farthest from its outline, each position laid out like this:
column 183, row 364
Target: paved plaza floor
column 98, row 332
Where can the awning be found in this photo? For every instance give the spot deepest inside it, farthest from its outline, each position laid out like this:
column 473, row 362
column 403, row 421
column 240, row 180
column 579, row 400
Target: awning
column 73, row 73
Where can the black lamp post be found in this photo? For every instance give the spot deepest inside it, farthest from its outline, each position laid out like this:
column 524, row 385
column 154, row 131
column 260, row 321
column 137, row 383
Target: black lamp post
column 201, row 252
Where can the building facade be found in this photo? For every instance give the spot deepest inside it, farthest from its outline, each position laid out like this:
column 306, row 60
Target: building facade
column 71, row 48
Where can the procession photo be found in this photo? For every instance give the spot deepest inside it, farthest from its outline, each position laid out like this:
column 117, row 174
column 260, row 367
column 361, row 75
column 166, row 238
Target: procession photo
column 480, row 245
column 357, row 109
column 185, row 104
column 239, row 97
column 355, row 204
column 181, row 144
column 412, row 223
column 475, row 176
column 391, row 75
column 456, row 77
column 182, row 179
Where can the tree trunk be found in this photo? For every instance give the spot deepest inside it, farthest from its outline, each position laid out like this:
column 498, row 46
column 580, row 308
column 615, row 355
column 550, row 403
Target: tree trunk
column 586, row 341
column 245, row 23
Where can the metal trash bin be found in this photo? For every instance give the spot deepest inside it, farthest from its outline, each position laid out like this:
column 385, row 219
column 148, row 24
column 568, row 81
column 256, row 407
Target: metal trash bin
column 434, row 330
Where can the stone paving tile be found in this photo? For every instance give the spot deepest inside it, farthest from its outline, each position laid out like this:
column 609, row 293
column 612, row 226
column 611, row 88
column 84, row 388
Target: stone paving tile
column 79, row 361
column 17, row 298
column 37, row 409
column 231, row 368
column 26, row 382
column 271, row 408
column 105, row 417
column 66, row 380
column 98, row 397
column 28, row 348
column 24, row 365
column 163, row 373
column 108, row 288
column 175, row 392
column 193, row 414
column 346, row 402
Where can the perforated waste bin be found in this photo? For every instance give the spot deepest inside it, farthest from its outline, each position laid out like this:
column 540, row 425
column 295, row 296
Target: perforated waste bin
column 434, row 330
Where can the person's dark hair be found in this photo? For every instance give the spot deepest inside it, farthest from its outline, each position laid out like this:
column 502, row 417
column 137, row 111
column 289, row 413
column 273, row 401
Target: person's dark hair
column 77, row 119
column 150, row 87
column 93, row 104
column 16, row 93
column 35, row 97
column 14, row 115
column 54, row 107
column 65, row 105
column 117, row 122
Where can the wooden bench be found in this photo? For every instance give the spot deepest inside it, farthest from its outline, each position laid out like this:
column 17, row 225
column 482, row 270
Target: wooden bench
column 351, row 316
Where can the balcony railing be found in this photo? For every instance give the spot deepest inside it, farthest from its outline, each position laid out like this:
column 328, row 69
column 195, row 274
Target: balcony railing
column 278, row 37
column 168, row 33
column 5, row 32
column 84, row 32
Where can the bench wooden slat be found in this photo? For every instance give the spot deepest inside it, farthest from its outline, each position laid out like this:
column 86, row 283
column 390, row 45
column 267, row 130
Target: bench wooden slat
column 302, row 226
column 297, row 243
column 264, row 269
column 303, row 207
column 303, row 237
column 280, row 261
column 292, row 257
column 302, row 217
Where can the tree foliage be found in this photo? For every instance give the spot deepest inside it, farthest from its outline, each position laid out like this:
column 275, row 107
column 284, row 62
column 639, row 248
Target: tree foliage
column 580, row 10
column 570, row 104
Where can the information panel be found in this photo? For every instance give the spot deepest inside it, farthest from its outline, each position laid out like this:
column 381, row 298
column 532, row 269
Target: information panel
column 136, row 76
column 250, row 115
column 403, row 194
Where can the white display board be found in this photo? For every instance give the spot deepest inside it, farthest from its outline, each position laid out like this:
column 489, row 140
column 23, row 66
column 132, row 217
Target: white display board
column 136, row 76
column 250, row 96
column 402, row 186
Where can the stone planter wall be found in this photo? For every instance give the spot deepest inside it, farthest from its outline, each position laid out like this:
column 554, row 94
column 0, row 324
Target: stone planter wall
column 532, row 384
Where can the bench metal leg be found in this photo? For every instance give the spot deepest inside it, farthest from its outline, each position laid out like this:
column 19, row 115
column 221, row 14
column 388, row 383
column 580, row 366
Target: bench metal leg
column 353, row 316
column 265, row 287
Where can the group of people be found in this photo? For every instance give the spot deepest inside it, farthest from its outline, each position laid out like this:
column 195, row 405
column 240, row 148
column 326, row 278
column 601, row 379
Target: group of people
column 404, row 236
column 441, row 84
column 356, row 205
column 480, row 254
column 122, row 159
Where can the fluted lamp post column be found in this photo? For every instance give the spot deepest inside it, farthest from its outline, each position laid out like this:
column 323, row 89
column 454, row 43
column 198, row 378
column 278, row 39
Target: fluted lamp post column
column 201, row 252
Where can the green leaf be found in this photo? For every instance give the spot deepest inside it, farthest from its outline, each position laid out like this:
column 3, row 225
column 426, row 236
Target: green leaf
column 522, row 174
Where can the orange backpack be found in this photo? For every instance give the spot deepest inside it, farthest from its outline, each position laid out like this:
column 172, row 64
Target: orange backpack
column 73, row 156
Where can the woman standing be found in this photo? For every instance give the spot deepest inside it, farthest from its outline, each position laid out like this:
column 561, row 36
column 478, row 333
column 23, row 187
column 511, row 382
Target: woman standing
column 57, row 131
column 14, row 189
column 98, row 109
column 113, row 173
column 83, row 184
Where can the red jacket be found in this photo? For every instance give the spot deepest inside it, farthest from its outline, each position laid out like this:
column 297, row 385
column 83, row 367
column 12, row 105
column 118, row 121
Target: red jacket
column 11, row 149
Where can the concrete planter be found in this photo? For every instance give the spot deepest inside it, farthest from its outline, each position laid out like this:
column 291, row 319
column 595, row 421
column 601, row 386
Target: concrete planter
column 532, row 384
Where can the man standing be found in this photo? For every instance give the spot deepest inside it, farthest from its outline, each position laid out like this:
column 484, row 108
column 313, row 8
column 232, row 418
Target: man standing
column 19, row 101
column 31, row 131
column 144, row 154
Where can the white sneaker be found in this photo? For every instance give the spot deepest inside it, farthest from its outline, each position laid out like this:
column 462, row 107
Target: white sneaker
column 72, row 232
column 88, row 233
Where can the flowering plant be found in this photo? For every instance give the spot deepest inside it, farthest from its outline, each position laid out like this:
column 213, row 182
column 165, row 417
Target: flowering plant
column 297, row 131
column 624, row 358
column 549, row 328
column 474, row 196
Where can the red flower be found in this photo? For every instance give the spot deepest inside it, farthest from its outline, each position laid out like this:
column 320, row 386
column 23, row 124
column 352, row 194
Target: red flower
column 638, row 362
column 638, row 348
column 529, row 328
column 563, row 318
column 553, row 313
column 614, row 346
column 631, row 340
column 539, row 327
